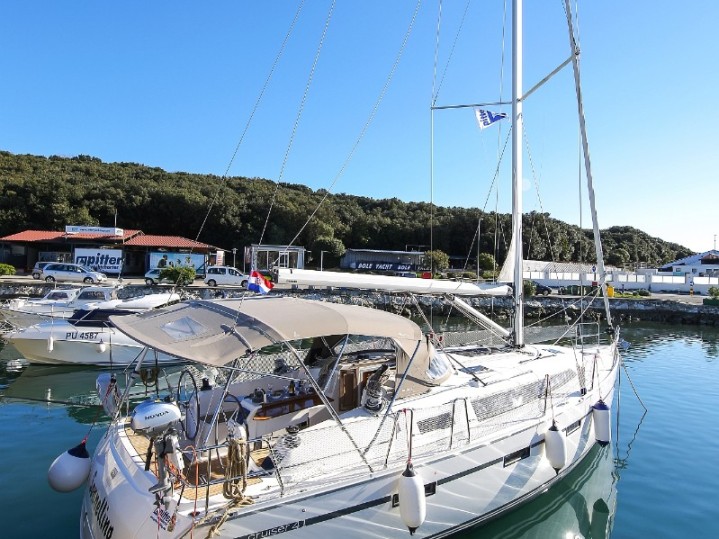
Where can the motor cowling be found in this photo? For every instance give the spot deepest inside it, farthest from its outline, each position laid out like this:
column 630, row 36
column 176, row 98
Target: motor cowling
column 154, row 416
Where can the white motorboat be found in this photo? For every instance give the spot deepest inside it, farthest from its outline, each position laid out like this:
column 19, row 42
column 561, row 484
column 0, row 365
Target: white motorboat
column 338, row 420
column 88, row 337
column 62, row 303
column 57, row 303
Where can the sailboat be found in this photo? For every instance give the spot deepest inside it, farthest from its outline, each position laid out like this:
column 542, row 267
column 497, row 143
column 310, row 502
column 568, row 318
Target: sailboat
column 328, row 419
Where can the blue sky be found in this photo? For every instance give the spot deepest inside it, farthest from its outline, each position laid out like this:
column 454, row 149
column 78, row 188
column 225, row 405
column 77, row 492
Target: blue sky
column 172, row 85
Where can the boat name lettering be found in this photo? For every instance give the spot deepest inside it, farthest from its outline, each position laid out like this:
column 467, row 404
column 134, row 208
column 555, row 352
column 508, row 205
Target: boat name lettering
column 82, row 335
column 275, row 531
column 165, row 517
column 99, row 508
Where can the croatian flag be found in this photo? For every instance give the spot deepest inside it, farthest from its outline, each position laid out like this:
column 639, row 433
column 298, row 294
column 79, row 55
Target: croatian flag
column 485, row 118
column 258, row 283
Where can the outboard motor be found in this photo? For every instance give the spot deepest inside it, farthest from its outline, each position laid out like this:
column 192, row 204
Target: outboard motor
column 157, row 419
column 153, row 417
column 372, row 397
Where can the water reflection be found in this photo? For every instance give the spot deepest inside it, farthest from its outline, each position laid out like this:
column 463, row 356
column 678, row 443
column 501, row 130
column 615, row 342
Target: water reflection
column 582, row 505
column 69, row 386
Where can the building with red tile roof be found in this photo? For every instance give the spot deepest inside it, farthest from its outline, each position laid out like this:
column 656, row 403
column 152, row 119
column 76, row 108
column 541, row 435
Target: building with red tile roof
column 134, row 247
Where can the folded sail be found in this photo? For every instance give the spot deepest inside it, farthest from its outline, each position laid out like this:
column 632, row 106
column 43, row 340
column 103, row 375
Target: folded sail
column 388, row 283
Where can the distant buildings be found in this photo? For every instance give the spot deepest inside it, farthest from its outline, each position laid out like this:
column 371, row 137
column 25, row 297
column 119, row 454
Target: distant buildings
column 704, row 264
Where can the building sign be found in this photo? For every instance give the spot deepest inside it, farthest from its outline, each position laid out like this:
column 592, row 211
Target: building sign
column 386, row 266
column 189, row 260
column 69, row 229
column 104, row 260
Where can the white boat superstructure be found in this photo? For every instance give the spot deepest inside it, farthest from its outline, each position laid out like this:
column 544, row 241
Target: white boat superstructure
column 86, row 338
column 62, row 303
column 58, row 303
column 311, row 428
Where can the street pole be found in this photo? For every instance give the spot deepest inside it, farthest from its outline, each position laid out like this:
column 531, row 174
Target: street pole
column 234, row 253
column 322, row 258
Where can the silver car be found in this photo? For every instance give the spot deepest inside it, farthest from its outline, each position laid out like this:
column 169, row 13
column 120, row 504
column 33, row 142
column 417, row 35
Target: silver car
column 61, row 271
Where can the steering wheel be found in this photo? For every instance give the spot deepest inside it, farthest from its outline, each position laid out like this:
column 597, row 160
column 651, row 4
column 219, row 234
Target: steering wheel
column 188, row 399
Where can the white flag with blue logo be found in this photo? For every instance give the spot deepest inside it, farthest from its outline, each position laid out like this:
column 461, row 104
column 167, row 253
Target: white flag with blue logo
column 485, row 118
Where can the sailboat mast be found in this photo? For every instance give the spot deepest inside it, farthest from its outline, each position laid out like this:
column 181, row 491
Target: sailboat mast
column 588, row 164
column 517, row 129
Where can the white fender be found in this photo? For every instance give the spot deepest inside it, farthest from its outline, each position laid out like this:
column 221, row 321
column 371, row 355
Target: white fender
column 412, row 501
column 69, row 470
column 555, row 448
column 50, row 343
column 602, row 423
column 101, row 346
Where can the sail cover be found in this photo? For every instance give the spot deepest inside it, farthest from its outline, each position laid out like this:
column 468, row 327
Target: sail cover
column 388, row 283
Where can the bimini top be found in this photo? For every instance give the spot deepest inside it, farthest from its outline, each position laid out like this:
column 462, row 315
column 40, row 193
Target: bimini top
column 215, row 332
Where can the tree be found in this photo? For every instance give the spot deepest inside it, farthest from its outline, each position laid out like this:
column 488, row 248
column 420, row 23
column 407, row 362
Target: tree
column 618, row 257
column 485, row 262
column 333, row 247
column 439, row 260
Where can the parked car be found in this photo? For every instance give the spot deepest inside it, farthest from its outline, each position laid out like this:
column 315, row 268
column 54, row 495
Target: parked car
column 541, row 289
column 37, row 269
column 225, row 275
column 58, row 271
column 152, row 277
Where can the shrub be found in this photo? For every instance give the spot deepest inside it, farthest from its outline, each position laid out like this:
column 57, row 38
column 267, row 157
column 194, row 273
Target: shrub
column 529, row 289
column 181, row 275
column 7, row 269
column 714, row 292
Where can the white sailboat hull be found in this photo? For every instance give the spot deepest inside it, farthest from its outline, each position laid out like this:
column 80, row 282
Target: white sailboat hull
column 467, row 480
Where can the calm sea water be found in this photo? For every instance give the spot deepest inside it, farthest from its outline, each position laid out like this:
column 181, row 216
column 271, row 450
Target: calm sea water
column 659, row 479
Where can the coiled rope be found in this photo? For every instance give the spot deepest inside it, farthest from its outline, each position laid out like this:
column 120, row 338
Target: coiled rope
column 234, row 487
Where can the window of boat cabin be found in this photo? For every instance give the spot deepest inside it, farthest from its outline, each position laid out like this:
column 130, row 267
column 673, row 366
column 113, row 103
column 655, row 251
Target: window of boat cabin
column 58, row 295
column 439, row 366
column 91, row 294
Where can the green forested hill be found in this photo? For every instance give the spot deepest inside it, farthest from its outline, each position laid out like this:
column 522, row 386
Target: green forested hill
column 48, row 193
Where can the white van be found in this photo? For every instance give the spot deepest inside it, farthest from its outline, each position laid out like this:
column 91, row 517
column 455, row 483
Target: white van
column 225, row 275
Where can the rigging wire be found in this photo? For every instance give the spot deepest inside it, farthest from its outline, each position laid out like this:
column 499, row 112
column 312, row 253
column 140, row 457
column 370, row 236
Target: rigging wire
column 366, row 126
column 252, row 113
column 255, row 107
column 299, row 116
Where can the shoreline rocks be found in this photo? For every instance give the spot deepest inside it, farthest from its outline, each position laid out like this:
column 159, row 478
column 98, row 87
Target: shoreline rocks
column 623, row 309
